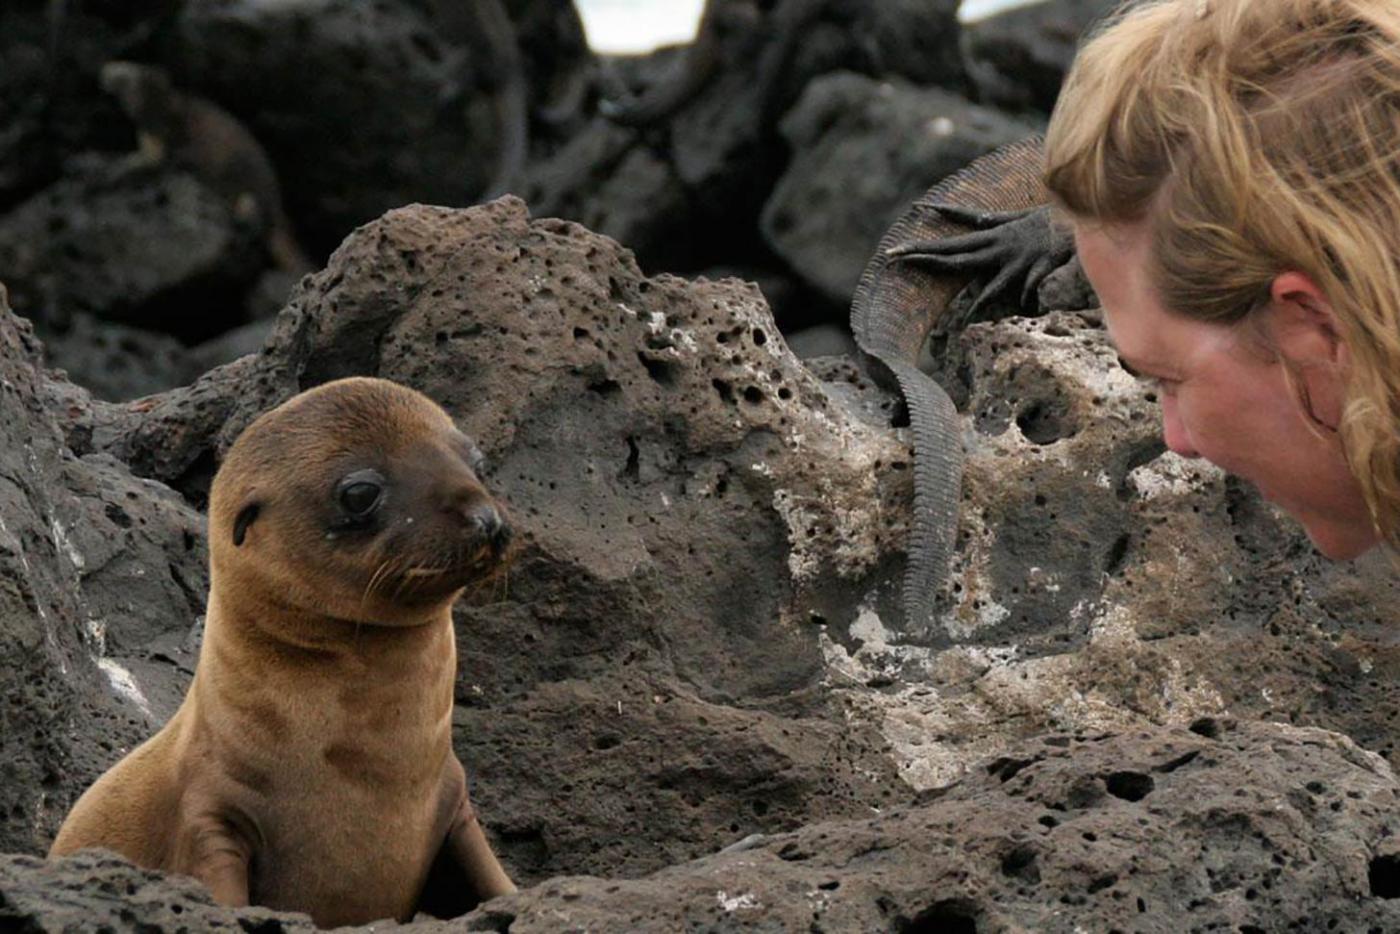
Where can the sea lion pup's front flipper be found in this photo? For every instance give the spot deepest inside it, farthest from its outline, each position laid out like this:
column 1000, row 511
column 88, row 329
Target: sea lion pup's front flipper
column 218, row 855
column 465, row 871
column 466, row 846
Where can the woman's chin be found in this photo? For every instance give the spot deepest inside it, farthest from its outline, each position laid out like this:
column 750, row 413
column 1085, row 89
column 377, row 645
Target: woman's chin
column 1340, row 541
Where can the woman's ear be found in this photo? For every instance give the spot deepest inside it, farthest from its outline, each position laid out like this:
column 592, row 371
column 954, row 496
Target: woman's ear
column 1307, row 336
column 1303, row 324
column 245, row 518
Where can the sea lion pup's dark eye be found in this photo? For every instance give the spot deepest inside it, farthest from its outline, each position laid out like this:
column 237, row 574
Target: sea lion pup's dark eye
column 360, row 493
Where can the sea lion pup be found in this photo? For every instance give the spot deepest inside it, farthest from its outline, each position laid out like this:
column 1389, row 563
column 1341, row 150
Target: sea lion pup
column 212, row 144
column 310, row 766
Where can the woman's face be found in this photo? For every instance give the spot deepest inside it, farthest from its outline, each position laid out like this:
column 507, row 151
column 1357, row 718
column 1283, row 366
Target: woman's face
column 1226, row 399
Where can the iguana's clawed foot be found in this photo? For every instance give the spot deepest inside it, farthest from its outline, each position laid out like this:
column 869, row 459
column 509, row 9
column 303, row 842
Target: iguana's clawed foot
column 1022, row 246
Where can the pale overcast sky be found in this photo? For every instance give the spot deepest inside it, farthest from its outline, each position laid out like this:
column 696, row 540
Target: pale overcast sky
column 620, row 26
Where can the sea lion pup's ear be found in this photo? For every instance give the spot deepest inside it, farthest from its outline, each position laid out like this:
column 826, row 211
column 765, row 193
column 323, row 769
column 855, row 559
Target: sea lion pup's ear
column 246, row 515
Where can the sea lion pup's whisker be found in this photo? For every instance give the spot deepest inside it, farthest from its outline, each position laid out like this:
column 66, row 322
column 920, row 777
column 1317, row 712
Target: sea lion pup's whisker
column 373, row 580
column 473, row 591
column 369, row 585
column 401, row 583
column 393, row 566
column 486, row 584
column 426, row 572
column 350, row 745
column 404, row 579
column 380, row 572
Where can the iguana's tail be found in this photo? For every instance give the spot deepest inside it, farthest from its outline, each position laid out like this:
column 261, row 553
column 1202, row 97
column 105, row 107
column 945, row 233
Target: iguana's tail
column 896, row 305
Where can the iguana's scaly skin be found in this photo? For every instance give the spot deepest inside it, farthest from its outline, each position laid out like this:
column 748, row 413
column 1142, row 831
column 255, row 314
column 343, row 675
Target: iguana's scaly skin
column 485, row 27
column 896, row 305
column 698, row 65
column 774, row 35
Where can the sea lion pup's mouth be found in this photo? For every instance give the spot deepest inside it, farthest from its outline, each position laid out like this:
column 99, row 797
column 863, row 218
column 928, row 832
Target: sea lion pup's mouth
column 477, row 555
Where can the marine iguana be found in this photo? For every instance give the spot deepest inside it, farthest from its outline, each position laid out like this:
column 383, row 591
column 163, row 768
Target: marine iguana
column 196, row 134
column 989, row 214
column 485, row 28
column 698, row 64
column 721, row 20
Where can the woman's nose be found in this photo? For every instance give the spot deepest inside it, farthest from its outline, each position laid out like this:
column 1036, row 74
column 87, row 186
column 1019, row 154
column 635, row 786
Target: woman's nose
column 1174, row 431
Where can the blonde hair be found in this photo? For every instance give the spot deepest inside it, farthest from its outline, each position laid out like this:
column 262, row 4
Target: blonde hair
column 1256, row 136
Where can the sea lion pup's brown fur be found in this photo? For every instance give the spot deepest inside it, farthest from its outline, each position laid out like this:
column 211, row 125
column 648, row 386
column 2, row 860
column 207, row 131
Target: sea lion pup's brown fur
column 310, row 767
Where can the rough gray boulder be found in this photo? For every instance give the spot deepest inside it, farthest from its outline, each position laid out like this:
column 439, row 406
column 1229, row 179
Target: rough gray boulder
column 1224, row 826
column 1101, row 582
column 689, row 496
column 99, row 891
column 144, row 245
column 558, row 61
column 37, row 592
column 713, row 140
column 101, row 575
column 686, row 193
column 114, row 361
column 50, row 105
column 606, row 179
column 1240, row 827
column 863, row 150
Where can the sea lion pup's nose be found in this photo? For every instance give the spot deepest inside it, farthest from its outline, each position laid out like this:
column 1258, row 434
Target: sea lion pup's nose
column 481, row 516
column 484, row 516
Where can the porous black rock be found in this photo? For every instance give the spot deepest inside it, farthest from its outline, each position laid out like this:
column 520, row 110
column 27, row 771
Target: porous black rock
column 100, row 573
column 688, row 495
column 387, row 106
column 1223, row 826
column 143, row 245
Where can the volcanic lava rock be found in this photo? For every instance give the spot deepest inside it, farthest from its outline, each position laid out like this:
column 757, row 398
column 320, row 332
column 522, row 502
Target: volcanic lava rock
column 1223, row 826
column 700, row 640
column 1247, row 827
column 147, row 246
column 690, row 498
column 114, row 361
column 95, row 890
column 685, row 193
column 100, row 573
column 50, row 106
column 386, row 108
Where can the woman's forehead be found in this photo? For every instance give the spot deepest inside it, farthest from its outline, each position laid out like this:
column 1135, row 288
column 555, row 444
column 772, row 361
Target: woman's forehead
column 1114, row 263
column 1150, row 339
